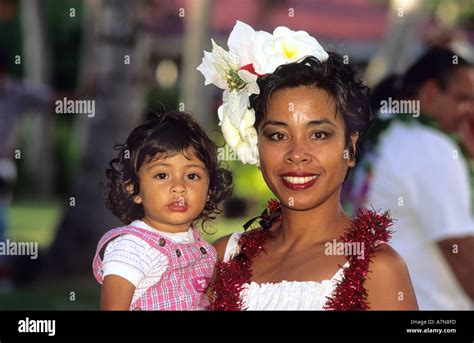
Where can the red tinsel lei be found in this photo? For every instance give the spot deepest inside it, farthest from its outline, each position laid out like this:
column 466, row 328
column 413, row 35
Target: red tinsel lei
column 232, row 275
column 368, row 226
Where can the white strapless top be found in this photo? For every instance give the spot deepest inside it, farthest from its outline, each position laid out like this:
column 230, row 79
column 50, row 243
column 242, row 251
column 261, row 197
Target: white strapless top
column 283, row 295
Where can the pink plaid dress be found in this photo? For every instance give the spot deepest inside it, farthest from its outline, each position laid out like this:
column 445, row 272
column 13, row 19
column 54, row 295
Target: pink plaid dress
column 183, row 285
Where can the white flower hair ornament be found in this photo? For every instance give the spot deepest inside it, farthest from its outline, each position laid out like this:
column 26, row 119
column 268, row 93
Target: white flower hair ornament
column 251, row 54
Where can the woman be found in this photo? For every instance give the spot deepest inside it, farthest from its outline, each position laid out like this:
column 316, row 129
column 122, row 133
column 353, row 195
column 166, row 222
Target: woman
column 309, row 117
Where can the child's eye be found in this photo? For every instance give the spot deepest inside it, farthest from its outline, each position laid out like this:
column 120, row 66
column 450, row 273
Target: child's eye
column 161, row 176
column 193, row 176
column 277, row 136
column 321, row 135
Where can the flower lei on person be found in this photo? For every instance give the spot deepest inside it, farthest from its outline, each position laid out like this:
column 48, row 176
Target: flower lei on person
column 251, row 54
column 368, row 227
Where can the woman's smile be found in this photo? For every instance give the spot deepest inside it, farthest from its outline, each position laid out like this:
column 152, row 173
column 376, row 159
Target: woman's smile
column 299, row 180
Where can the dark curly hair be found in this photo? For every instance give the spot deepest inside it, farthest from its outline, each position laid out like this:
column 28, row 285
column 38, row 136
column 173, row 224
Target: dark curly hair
column 334, row 76
column 165, row 136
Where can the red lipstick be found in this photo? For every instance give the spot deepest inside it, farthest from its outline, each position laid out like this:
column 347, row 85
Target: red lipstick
column 299, row 180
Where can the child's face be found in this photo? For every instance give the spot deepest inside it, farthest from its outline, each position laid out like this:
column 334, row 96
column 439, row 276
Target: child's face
column 173, row 190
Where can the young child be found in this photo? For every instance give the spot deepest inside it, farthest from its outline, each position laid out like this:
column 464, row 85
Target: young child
column 165, row 178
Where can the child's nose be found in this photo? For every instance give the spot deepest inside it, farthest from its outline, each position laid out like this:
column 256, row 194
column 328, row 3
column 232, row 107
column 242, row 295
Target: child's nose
column 178, row 189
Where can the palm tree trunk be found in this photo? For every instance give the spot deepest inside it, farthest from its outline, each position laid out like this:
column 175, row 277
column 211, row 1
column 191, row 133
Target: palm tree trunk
column 119, row 101
column 36, row 59
column 194, row 95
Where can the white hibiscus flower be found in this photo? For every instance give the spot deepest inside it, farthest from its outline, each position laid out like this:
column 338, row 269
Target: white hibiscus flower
column 284, row 46
column 236, row 121
column 223, row 68
column 236, row 71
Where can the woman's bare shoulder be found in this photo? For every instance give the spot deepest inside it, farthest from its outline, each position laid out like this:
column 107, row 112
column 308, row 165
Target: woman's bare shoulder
column 388, row 281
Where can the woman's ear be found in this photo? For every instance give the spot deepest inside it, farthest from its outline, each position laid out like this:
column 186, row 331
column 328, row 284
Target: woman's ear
column 352, row 159
column 137, row 199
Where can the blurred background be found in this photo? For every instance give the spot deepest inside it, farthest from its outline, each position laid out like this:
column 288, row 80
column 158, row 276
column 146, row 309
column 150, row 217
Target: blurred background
column 136, row 59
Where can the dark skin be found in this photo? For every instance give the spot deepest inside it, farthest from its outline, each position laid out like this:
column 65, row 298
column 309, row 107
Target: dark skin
column 458, row 254
column 451, row 105
column 302, row 132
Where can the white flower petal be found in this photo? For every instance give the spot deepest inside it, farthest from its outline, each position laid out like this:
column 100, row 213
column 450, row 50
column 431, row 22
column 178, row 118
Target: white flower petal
column 222, row 62
column 253, row 88
column 240, row 42
column 247, row 121
column 284, row 46
column 238, row 104
column 210, row 74
column 230, row 133
column 241, row 138
column 265, row 52
column 246, row 154
column 250, row 82
column 247, row 76
column 282, row 31
column 221, row 112
column 247, row 151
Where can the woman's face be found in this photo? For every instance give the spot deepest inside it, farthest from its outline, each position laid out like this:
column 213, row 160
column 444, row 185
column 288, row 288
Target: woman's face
column 302, row 148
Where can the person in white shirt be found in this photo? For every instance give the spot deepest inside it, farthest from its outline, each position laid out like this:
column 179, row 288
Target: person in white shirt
column 412, row 166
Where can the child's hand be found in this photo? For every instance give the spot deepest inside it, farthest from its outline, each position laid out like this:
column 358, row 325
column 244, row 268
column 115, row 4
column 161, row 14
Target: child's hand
column 116, row 293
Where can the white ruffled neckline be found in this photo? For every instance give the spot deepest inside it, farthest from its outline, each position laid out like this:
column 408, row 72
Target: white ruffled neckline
column 283, row 295
column 290, row 295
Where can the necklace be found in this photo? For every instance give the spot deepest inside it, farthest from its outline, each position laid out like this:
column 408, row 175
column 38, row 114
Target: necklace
column 368, row 227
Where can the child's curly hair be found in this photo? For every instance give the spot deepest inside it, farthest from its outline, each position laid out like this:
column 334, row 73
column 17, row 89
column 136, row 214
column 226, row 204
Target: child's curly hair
column 165, row 136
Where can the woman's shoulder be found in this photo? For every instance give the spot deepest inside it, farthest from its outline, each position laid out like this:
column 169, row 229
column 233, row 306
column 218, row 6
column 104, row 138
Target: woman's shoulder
column 386, row 259
column 388, row 281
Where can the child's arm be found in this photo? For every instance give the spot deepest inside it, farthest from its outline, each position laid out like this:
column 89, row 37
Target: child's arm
column 127, row 260
column 116, row 293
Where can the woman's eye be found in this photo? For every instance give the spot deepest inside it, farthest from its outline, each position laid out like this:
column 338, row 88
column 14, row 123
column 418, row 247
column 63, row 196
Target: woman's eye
column 193, row 176
column 161, row 176
column 277, row 136
column 321, row 135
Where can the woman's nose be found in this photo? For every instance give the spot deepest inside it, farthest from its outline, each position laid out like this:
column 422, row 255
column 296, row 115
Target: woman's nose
column 298, row 153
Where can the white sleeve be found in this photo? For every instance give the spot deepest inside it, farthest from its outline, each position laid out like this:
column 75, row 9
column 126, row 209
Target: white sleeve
column 232, row 249
column 441, row 189
column 131, row 258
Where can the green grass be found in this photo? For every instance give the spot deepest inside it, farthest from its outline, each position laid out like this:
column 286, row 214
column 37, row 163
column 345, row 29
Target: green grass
column 34, row 221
